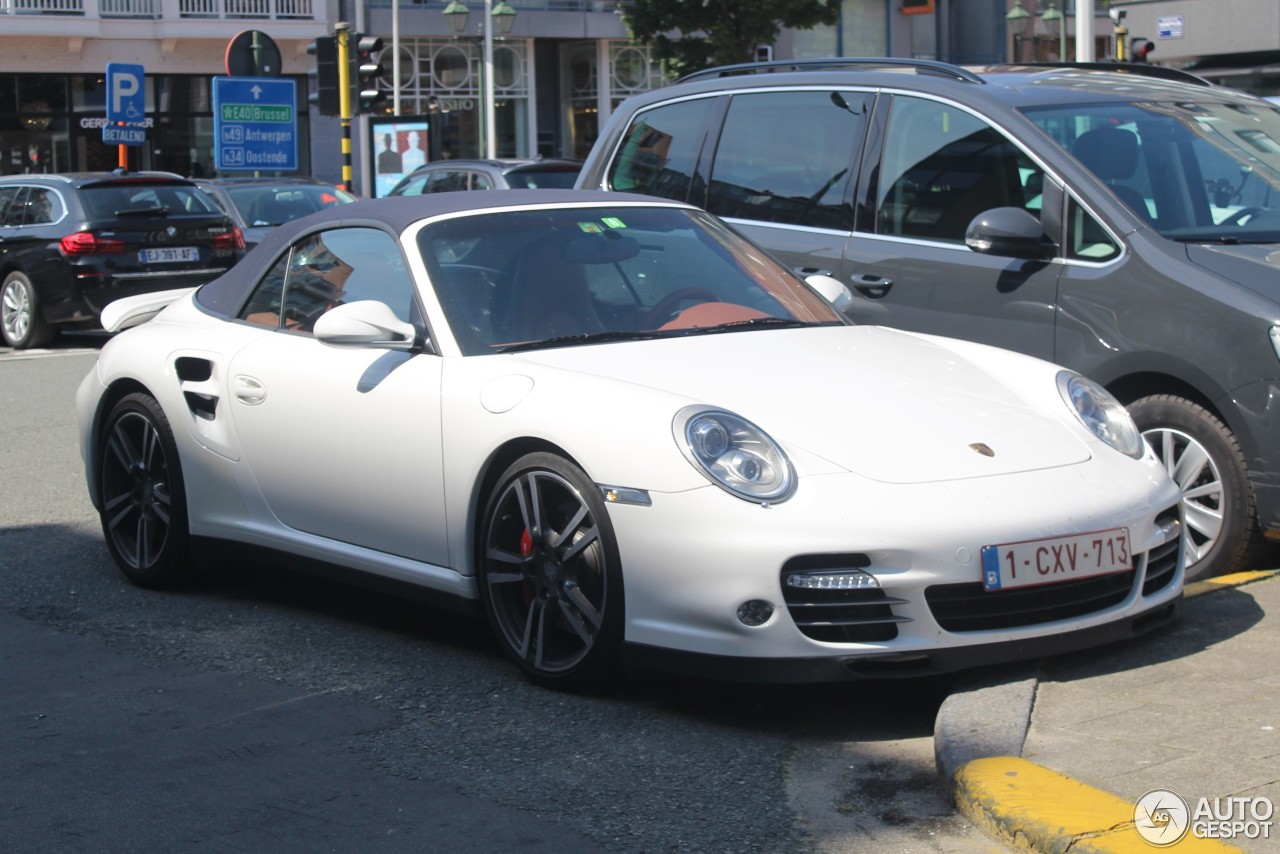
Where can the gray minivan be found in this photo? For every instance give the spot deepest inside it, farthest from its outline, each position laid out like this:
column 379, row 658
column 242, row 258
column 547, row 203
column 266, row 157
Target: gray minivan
column 1123, row 221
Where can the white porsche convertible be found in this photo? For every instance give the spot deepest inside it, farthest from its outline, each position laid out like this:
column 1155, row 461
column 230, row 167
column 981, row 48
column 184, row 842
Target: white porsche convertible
column 628, row 436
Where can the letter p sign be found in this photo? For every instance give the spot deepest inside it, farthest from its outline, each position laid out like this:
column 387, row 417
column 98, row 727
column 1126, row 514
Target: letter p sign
column 126, row 98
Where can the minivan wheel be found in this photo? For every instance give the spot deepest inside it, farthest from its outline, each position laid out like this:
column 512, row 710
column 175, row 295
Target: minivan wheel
column 1204, row 459
column 20, row 320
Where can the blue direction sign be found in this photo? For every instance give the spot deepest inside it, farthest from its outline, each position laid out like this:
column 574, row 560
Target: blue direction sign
column 255, row 124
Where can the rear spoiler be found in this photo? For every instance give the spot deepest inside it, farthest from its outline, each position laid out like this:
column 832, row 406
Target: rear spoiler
column 134, row 311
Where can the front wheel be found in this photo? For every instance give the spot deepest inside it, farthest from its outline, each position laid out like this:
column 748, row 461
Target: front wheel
column 549, row 573
column 144, row 508
column 21, row 322
column 1204, row 459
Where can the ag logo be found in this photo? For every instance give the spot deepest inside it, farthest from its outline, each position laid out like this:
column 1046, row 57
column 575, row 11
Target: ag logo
column 1161, row 817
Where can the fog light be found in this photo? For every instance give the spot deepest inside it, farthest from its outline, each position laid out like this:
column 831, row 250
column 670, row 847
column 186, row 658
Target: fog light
column 839, row 579
column 755, row 612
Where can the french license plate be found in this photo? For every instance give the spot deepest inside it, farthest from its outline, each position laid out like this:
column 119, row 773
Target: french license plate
column 1034, row 562
column 169, row 254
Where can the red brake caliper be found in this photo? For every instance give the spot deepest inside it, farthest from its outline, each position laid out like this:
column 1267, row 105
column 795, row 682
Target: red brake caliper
column 526, row 549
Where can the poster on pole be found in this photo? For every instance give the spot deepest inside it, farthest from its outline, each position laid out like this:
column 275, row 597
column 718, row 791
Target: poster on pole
column 398, row 147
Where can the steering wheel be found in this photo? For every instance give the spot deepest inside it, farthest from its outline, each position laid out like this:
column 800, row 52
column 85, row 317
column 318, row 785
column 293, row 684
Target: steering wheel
column 665, row 307
column 1241, row 215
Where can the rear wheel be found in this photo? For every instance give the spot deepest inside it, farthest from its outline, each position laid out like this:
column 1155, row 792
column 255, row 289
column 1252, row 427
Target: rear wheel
column 549, row 573
column 144, row 508
column 20, row 320
column 1204, row 459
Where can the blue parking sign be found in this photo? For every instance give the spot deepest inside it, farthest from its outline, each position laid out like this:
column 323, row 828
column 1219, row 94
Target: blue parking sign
column 126, row 93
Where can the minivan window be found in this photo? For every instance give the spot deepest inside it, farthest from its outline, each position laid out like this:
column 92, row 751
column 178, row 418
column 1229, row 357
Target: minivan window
column 660, row 150
column 787, row 157
column 1195, row 170
column 942, row 166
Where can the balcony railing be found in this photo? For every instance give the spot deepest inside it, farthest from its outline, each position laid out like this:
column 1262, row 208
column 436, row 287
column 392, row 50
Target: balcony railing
column 157, row 9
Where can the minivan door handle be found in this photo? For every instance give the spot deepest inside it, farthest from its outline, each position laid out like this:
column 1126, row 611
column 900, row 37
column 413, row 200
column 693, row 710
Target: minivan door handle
column 806, row 272
column 872, row 286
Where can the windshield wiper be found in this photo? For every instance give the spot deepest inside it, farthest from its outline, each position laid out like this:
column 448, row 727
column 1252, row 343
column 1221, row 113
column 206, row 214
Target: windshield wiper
column 575, row 340
column 757, row 323
column 156, row 211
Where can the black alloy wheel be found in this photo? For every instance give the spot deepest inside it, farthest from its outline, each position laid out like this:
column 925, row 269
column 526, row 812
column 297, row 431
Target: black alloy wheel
column 144, row 513
column 549, row 573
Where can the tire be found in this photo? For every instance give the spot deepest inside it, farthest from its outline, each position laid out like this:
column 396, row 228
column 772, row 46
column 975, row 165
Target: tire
column 144, row 508
column 549, row 573
column 21, row 322
column 1203, row 457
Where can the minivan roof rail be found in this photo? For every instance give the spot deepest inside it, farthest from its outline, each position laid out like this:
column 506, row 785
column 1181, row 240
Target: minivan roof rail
column 838, row 63
column 1140, row 68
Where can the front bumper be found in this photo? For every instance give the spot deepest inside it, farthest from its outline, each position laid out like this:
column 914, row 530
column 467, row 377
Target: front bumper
column 691, row 559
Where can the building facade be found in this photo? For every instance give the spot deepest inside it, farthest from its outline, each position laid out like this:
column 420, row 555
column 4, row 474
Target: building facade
column 558, row 73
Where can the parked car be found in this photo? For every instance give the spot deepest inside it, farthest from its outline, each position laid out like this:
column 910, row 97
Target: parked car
column 69, row 244
column 1123, row 221
column 617, row 427
column 448, row 176
column 258, row 205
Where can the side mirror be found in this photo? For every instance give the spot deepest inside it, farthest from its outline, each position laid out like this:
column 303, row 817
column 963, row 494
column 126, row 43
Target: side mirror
column 1009, row 231
column 832, row 290
column 365, row 323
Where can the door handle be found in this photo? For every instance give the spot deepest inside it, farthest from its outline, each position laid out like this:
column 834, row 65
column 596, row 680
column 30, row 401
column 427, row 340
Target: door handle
column 249, row 390
column 872, row 286
column 806, row 272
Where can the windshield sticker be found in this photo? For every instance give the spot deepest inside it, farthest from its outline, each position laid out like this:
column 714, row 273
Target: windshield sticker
column 590, row 228
column 613, row 222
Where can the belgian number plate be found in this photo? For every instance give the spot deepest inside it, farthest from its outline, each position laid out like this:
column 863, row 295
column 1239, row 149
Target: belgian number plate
column 169, row 254
column 1034, row 562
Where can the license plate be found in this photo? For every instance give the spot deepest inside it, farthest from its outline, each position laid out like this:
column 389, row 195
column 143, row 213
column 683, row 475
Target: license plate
column 1034, row 562
column 169, row 254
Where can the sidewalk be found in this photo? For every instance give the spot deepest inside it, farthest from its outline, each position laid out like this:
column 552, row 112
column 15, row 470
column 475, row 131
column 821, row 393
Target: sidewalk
column 1186, row 714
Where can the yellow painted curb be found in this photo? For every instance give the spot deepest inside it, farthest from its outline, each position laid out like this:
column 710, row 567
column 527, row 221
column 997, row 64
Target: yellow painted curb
column 1030, row 808
column 1235, row 579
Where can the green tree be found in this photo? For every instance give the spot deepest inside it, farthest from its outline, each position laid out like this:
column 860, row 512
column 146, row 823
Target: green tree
column 693, row 34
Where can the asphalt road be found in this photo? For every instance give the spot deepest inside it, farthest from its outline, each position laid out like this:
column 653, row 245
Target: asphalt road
column 257, row 709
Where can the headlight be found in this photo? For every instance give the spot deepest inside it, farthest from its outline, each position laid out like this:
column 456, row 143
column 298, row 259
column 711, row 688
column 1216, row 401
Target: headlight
column 1101, row 413
column 734, row 454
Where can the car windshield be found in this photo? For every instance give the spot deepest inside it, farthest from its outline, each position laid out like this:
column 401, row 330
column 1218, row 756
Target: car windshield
column 272, row 205
column 548, row 178
column 549, row 277
column 1200, row 170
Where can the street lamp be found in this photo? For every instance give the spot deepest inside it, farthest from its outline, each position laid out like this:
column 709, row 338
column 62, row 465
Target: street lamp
column 502, row 17
column 1020, row 22
column 1056, row 22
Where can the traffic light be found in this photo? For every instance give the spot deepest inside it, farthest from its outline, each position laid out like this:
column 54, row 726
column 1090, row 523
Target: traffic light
column 1141, row 49
column 365, row 71
column 325, row 92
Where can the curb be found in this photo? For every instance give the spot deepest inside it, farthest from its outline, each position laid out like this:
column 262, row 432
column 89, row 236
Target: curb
column 1025, row 806
column 1221, row 582
column 1030, row 808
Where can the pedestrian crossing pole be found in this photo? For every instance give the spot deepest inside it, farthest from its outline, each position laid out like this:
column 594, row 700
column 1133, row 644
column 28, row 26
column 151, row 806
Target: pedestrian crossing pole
column 343, row 32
